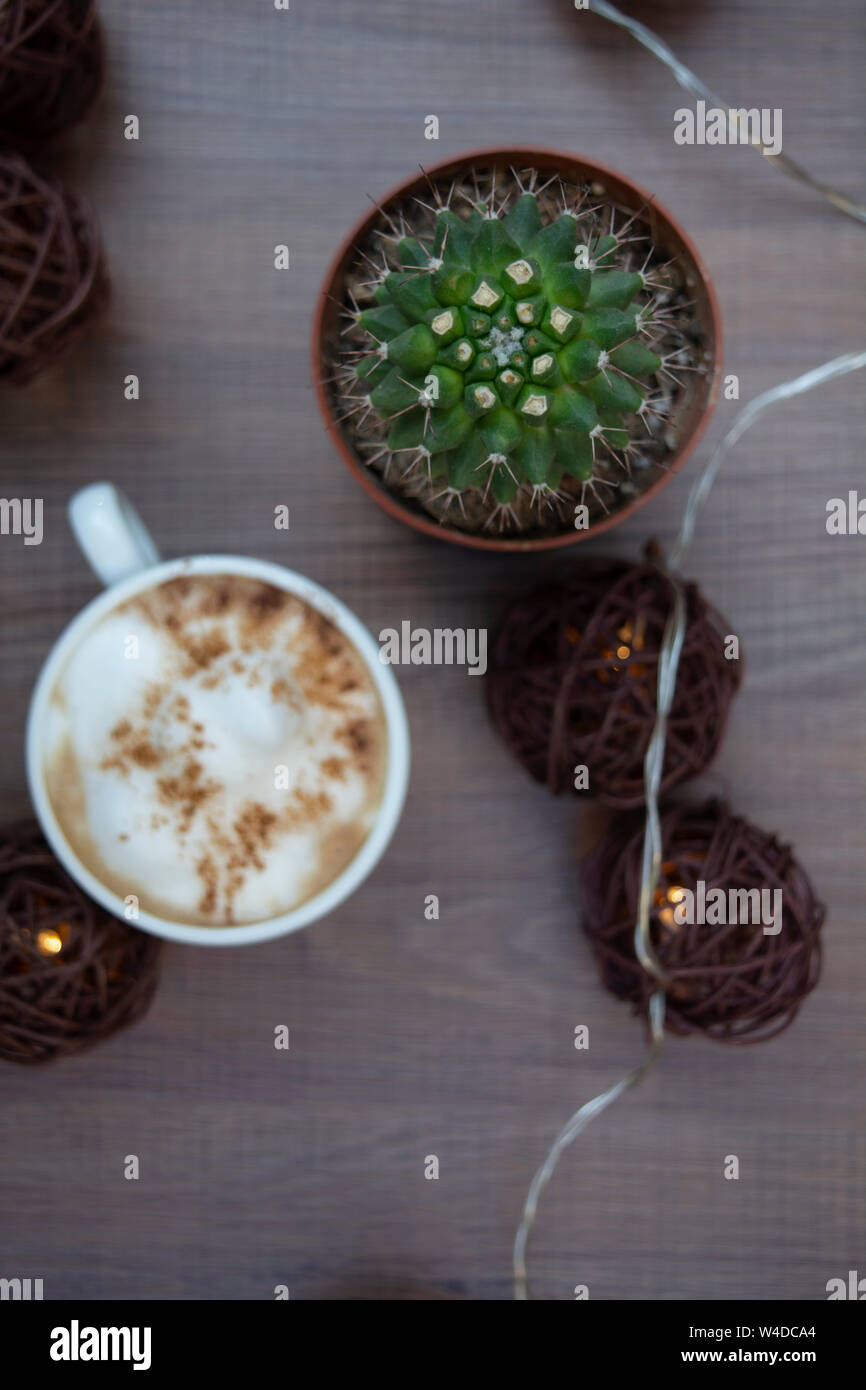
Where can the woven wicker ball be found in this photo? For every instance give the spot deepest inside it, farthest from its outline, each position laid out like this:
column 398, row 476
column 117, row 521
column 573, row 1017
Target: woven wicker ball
column 573, row 672
column 51, row 67
column 734, row 983
column 70, row 974
column 53, row 279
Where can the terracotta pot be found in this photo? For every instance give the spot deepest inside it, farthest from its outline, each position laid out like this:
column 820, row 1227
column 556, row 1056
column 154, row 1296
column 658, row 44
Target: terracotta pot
column 701, row 393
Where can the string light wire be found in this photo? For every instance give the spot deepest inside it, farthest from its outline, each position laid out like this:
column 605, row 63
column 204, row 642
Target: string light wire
column 669, row 657
column 692, row 83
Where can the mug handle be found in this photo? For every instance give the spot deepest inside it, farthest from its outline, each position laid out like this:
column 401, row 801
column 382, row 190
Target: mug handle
column 112, row 536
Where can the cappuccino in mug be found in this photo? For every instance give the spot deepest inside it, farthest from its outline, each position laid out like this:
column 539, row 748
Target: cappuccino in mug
column 216, row 748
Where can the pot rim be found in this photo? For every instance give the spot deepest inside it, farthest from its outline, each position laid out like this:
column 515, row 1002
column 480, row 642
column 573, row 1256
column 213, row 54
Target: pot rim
column 544, row 157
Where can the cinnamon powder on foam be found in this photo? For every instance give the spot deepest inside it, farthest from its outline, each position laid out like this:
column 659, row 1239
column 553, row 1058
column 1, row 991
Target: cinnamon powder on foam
column 327, row 669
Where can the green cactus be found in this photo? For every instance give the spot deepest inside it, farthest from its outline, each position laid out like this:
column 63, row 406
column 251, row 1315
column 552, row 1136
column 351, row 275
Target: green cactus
column 507, row 351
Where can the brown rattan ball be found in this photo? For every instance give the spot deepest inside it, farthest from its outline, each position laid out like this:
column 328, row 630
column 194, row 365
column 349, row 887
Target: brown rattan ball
column 70, row 974
column 52, row 61
column 735, row 982
column 53, row 279
column 573, row 672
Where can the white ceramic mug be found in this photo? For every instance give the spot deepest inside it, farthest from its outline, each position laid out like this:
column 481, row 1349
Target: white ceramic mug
column 122, row 554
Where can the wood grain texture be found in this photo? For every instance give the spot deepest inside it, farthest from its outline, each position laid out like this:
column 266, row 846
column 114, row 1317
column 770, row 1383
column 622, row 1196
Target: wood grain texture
column 453, row 1037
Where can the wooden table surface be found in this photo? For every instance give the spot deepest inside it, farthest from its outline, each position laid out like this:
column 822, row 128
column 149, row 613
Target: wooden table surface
column 452, row 1037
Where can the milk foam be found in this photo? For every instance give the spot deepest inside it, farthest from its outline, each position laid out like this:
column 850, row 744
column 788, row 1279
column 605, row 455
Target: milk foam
column 216, row 748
